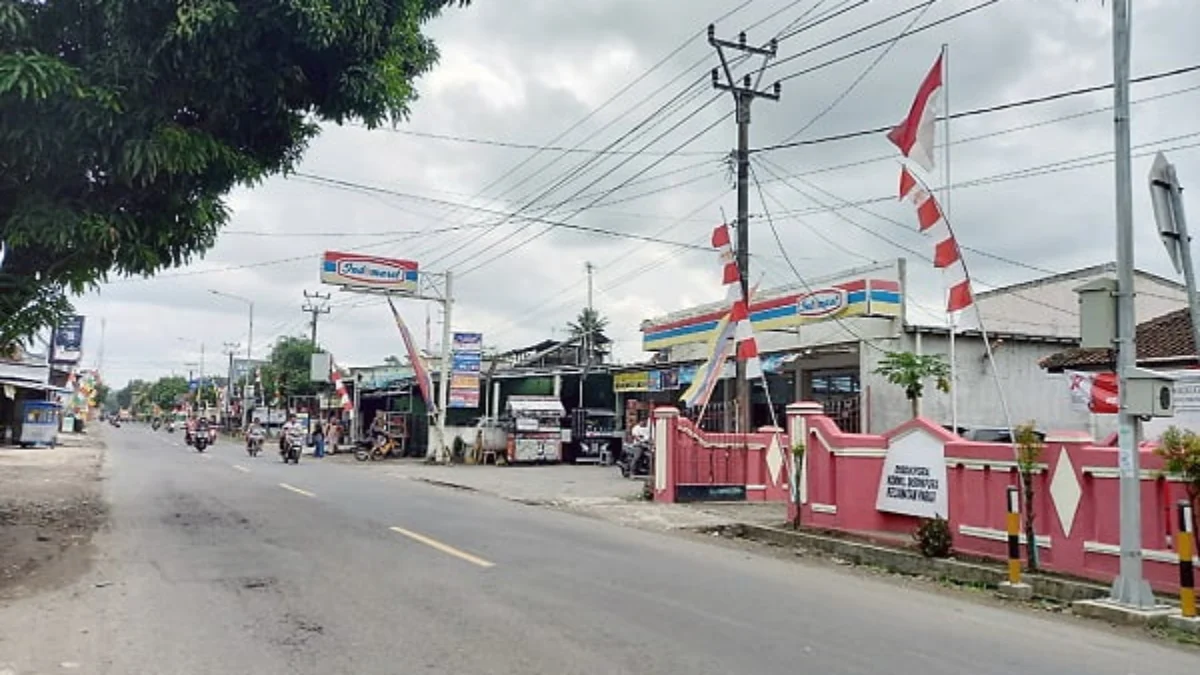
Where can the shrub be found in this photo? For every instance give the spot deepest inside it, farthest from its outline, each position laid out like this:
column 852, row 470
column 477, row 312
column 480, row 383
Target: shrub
column 933, row 538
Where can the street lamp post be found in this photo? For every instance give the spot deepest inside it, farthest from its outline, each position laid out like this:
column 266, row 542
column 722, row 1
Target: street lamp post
column 249, row 348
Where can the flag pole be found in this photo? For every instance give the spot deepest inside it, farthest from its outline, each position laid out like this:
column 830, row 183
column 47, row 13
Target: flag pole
column 951, row 317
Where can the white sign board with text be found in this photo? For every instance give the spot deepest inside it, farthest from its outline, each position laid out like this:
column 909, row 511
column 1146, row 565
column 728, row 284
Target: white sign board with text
column 914, row 477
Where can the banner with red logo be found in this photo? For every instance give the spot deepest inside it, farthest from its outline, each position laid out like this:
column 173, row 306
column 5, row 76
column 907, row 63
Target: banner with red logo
column 1097, row 392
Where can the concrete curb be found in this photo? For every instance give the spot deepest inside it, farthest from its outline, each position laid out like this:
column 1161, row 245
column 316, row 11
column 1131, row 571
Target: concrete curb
column 904, row 562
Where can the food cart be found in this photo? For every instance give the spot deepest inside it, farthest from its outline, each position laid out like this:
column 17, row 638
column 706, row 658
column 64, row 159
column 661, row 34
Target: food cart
column 534, row 425
column 594, row 436
column 38, row 423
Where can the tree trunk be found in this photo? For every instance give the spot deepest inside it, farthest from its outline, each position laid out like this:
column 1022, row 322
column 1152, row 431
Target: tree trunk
column 916, row 406
column 1030, row 536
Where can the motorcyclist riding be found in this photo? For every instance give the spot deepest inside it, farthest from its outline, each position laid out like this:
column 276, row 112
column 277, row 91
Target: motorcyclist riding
column 255, row 433
column 292, row 434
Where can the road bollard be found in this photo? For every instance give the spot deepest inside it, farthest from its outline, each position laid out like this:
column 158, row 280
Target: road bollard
column 1185, row 541
column 1014, row 536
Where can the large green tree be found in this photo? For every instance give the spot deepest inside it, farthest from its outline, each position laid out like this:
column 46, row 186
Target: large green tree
column 124, row 123
column 289, row 367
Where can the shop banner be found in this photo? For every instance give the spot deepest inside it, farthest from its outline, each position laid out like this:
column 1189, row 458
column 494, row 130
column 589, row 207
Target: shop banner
column 466, row 359
column 629, row 382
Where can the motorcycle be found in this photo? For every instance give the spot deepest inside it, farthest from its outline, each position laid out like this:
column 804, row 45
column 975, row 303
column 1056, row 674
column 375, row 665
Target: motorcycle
column 201, row 440
column 155, row 424
column 637, row 459
column 293, row 443
column 254, row 444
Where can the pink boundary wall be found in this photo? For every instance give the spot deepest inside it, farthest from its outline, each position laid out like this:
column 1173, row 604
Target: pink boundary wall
column 1077, row 522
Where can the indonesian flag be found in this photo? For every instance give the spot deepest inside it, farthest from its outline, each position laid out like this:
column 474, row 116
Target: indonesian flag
column 914, row 136
column 1095, row 391
column 420, row 370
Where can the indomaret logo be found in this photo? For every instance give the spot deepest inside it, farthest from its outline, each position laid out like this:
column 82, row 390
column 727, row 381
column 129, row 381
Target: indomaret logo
column 365, row 270
column 822, row 302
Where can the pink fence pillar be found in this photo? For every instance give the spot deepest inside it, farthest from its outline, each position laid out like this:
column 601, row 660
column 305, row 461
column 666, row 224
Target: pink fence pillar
column 665, row 426
column 797, row 428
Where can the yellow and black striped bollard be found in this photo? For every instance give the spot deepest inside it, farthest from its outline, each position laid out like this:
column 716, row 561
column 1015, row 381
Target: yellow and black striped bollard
column 1014, row 536
column 1185, row 541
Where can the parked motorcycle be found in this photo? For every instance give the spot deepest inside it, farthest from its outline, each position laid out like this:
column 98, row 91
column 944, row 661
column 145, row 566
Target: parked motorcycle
column 155, row 424
column 637, row 459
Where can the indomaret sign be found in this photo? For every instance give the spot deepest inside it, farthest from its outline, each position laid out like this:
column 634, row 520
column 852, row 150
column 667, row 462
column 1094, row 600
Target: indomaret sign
column 354, row 270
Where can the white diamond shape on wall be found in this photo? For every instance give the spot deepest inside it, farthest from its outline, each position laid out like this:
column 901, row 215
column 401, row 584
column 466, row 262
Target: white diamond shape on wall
column 774, row 459
column 1065, row 491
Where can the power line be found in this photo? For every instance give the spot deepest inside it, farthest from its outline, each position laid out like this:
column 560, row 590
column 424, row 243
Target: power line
column 1020, row 103
column 541, row 148
column 877, row 45
column 531, row 219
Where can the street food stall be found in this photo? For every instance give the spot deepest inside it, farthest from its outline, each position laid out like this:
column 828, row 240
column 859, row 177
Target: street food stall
column 594, row 436
column 534, row 425
column 37, row 423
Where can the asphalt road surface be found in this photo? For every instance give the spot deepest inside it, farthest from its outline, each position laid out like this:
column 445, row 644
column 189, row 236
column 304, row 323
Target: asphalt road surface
column 218, row 563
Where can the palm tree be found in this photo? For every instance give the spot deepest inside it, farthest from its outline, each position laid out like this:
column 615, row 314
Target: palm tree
column 590, row 326
column 910, row 371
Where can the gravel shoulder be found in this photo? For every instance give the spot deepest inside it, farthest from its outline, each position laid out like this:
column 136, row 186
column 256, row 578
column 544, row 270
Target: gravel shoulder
column 50, row 506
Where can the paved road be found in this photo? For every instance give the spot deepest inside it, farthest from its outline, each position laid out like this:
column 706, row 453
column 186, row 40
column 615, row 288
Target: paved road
column 218, row 563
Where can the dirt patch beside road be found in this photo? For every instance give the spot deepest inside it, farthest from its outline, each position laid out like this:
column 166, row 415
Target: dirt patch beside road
column 50, row 505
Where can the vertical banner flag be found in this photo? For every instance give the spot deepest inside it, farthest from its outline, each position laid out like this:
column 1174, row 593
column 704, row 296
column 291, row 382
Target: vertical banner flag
column 339, row 388
column 420, row 370
column 914, row 136
column 946, row 254
column 734, row 329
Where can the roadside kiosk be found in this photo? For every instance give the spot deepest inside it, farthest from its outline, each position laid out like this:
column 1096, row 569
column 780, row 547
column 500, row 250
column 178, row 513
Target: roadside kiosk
column 534, row 425
column 37, row 423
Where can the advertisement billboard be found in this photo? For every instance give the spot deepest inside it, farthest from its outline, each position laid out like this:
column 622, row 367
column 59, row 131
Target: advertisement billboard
column 67, row 345
column 354, row 270
column 466, row 357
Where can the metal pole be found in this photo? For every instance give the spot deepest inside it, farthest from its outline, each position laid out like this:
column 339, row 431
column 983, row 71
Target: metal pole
column 1130, row 588
column 444, row 393
column 250, row 339
column 951, row 319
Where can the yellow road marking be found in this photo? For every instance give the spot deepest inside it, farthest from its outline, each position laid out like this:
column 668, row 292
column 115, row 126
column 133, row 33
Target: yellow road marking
column 444, row 548
column 297, row 490
column 241, row 468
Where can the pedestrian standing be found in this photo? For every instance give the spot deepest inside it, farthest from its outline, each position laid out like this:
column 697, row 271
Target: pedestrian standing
column 318, row 436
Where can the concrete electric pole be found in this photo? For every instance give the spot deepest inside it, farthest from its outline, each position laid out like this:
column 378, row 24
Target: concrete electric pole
column 743, row 95
column 1131, row 588
column 315, row 304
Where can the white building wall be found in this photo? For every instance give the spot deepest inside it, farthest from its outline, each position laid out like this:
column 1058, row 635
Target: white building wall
column 1051, row 307
column 1032, row 393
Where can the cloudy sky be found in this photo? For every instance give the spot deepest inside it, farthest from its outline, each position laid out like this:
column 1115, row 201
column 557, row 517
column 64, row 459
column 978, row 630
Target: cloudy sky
column 631, row 76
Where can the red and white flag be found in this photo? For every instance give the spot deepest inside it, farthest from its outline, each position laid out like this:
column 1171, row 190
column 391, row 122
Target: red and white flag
column 914, row 136
column 946, row 254
column 339, row 387
column 739, row 316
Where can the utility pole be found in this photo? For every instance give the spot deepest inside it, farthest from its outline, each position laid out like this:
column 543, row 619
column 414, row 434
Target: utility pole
column 1130, row 588
column 314, row 303
column 743, row 95
column 586, row 340
column 231, row 348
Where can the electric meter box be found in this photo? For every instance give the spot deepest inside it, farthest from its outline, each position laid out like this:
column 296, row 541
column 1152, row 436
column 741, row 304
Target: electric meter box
column 1098, row 314
column 1151, row 394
